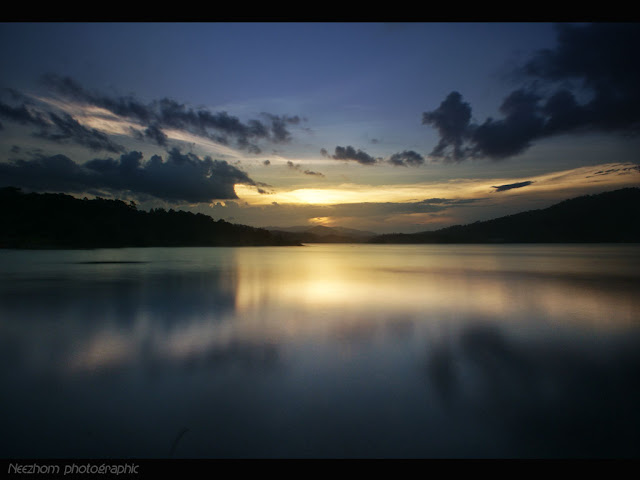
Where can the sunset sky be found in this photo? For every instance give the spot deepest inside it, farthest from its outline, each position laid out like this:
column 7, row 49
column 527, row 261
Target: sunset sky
column 399, row 127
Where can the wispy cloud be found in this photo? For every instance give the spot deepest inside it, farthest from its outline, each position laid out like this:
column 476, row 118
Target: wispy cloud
column 160, row 115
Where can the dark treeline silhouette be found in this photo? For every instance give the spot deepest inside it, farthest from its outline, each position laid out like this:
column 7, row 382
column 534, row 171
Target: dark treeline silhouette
column 47, row 220
column 606, row 217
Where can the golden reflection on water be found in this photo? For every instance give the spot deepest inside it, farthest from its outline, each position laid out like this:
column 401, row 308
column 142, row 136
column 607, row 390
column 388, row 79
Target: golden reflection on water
column 331, row 293
column 322, row 285
column 328, row 292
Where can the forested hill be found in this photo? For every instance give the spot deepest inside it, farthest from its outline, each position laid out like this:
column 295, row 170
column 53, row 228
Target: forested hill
column 32, row 220
column 606, row 217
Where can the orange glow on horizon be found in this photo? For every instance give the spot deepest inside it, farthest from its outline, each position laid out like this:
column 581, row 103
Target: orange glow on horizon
column 576, row 180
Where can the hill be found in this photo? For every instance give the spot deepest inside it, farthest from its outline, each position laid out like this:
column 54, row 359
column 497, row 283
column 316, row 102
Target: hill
column 32, row 220
column 322, row 234
column 606, row 217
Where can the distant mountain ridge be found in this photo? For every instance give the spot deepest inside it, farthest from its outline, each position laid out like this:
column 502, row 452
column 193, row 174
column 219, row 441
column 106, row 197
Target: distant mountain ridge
column 602, row 218
column 322, row 234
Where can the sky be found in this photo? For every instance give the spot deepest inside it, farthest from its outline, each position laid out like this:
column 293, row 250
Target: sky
column 384, row 127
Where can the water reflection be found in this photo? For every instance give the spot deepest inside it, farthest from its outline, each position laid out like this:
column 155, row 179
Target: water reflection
column 321, row 351
column 105, row 319
column 549, row 399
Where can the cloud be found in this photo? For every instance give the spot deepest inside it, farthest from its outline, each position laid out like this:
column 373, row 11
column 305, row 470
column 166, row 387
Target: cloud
column 590, row 62
column 451, row 119
column 181, row 177
column 279, row 130
column 154, row 133
column 512, row 135
column 449, row 201
column 406, row 158
column 60, row 128
column 350, row 153
column 65, row 128
column 502, row 188
column 22, row 115
column 597, row 56
column 401, row 159
column 169, row 114
column 297, row 167
column 310, row 172
column 57, row 172
column 624, row 170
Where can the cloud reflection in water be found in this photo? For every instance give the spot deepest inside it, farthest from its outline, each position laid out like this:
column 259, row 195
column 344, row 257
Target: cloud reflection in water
column 326, row 350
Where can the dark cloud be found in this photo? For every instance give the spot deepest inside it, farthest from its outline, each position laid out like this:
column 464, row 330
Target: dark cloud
column 599, row 56
column 181, row 177
column 298, row 167
column 57, row 172
column 350, row 153
column 22, row 115
column 155, row 133
column 502, row 188
column 590, row 62
column 167, row 113
column 563, row 113
column 449, row 201
column 451, row 119
column 310, row 172
column 279, row 124
column 406, row 158
column 512, row 135
column 66, row 128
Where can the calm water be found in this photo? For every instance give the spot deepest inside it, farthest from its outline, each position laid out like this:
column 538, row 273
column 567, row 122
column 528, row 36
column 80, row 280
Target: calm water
column 321, row 351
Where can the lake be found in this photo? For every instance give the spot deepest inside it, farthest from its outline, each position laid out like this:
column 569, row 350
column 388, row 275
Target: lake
column 332, row 350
